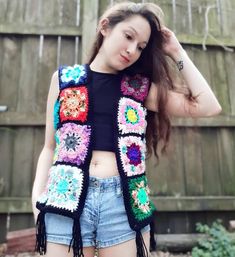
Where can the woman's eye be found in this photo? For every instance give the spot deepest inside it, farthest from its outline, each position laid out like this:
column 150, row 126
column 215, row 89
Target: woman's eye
column 140, row 48
column 128, row 36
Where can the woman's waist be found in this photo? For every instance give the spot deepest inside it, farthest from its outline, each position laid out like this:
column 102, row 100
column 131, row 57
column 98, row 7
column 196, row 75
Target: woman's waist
column 103, row 164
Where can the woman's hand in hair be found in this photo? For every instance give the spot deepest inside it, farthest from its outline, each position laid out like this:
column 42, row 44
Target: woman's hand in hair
column 171, row 45
column 203, row 102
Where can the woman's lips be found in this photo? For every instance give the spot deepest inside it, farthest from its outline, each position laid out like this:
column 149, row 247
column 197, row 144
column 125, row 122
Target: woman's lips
column 125, row 58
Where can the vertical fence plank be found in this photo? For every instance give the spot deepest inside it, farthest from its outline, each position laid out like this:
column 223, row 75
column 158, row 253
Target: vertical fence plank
column 229, row 71
column 219, row 79
column 21, row 175
column 167, row 178
column 3, row 10
column 58, row 10
column 178, row 222
column 45, row 67
column 166, row 6
column 78, row 50
column 22, row 162
column 212, row 15
column 230, row 13
column 6, row 149
column 190, row 21
column 21, row 221
column 15, row 11
column 32, row 11
column 11, row 58
column 2, row 100
column 3, row 222
column 181, row 16
column 28, row 75
column 198, row 17
column 175, row 169
column 226, row 139
column 102, row 6
column 47, row 13
column 67, row 51
column 6, row 138
column 210, row 159
column 157, row 175
column 192, row 161
column 227, row 10
column 90, row 19
column 70, row 13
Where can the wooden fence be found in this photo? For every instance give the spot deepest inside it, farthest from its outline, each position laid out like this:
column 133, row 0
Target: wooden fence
column 194, row 182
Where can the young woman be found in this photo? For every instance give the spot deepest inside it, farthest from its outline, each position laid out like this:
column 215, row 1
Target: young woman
column 97, row 134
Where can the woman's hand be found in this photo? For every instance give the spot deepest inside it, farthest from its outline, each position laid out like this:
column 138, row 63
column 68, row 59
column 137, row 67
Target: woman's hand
column 171, row 45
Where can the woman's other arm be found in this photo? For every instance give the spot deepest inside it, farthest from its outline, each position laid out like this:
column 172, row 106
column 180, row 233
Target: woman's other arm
column 46, row 156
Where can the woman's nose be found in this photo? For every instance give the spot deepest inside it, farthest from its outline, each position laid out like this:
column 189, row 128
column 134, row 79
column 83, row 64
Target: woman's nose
column 131, row 49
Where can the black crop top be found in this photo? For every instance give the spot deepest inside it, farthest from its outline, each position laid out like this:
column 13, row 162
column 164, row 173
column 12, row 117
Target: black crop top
column 105, row 93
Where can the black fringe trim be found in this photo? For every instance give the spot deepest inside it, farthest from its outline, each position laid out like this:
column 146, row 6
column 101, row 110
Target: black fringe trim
column 153, row 243
column 76, row 241
column 41, row 237
column 142, row 250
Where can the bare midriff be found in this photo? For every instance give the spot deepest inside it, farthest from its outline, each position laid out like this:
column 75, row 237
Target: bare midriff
column 103, row 164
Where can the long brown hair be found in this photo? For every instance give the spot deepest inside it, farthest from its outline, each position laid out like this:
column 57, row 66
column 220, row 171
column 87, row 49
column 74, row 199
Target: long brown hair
column 152, row 63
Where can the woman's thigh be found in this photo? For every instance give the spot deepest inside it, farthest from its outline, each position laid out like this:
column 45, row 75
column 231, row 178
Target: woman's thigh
column 126, row 249
column 60, row 250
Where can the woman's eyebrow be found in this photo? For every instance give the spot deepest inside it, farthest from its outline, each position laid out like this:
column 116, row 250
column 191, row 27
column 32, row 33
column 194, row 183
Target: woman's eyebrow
column 134, row 30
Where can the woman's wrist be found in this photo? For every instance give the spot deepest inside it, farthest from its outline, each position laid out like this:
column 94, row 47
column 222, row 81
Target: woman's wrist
column 178, row 55
column 178, row 58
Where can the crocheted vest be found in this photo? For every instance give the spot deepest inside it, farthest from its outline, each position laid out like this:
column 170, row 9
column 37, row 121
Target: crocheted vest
column 68, row 177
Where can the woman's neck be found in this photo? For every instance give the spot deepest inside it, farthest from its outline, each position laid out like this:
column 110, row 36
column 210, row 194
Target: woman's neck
column 99, row 65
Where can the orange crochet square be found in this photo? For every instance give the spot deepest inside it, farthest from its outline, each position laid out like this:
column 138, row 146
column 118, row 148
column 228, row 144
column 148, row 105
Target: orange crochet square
column 74, row 104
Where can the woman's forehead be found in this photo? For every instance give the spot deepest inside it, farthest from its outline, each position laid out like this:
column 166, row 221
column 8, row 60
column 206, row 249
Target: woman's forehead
column 138, row 25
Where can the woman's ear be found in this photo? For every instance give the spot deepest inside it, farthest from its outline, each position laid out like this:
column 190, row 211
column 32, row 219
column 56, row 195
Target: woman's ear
column 104, row 26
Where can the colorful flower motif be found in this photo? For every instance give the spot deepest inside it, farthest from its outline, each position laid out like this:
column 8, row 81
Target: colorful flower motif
column 139, row 191
column 72, row 142
column 132, row 152
column 131, row 116
column 64, row 187
column 74, row 104
column 56, row 114
column 136, row 86
column 76, row 74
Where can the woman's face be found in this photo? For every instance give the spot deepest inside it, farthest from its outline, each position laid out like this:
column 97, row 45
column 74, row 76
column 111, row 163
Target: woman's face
column 123, row 44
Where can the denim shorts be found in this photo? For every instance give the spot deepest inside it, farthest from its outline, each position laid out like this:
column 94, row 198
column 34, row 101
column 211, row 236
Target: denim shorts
column 103, row 222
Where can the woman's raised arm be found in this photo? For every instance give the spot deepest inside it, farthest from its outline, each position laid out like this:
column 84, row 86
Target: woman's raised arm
column 204, row 104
